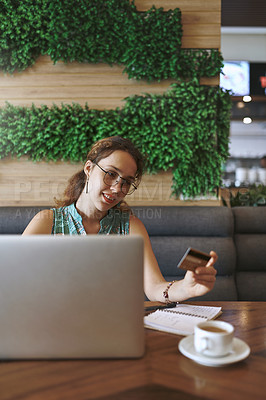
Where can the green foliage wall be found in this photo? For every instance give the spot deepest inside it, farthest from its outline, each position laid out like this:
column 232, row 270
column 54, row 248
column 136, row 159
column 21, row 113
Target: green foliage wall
column 185, row 130
column 109, row 31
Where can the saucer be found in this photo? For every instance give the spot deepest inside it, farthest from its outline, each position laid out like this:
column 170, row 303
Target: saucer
column 240, row 351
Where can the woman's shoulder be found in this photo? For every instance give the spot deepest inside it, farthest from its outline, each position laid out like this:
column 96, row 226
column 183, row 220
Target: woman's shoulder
column 41, row 223
column 136, row 225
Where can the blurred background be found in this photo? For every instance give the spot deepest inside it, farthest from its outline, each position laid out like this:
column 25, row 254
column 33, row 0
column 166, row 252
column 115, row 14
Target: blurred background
column 243, row 45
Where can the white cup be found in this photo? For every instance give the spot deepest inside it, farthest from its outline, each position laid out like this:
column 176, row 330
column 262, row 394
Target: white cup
column 213, row 338
column 262, row 175
column 241, row 174
column 252, row 175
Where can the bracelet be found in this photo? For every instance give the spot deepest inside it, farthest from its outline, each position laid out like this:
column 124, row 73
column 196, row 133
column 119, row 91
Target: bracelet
column 165, row 292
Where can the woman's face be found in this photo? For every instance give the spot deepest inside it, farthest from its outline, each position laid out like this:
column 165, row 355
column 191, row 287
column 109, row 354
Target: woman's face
column 101, row 195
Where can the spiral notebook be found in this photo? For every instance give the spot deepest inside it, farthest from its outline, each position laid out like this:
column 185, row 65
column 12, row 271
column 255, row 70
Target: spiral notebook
column 181, row 319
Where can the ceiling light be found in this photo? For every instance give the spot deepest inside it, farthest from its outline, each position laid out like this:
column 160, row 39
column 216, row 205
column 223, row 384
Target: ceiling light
column 247, row 99
column 247, row 120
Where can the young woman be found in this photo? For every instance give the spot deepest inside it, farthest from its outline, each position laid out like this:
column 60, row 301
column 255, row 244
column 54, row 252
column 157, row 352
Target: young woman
column 94, row 204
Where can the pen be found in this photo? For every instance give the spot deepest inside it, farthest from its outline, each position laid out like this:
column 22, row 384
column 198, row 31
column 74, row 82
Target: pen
column 160, row 306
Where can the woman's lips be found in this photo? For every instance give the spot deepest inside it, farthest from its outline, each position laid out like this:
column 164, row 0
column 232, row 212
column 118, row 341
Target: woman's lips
column 109, row 199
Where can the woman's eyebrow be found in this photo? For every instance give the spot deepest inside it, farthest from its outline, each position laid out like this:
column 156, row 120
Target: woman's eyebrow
column 118, row 170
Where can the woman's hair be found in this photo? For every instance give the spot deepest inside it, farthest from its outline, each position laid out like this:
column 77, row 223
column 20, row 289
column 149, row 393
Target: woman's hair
column 101, row 149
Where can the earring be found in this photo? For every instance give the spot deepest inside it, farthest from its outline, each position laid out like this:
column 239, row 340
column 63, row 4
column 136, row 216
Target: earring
column 87, row 186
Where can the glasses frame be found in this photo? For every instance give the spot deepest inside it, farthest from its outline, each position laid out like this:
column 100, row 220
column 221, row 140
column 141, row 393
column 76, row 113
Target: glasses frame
column 132, row 187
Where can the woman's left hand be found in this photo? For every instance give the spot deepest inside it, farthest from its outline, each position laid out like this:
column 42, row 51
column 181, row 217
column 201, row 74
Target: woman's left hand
column 202, row 280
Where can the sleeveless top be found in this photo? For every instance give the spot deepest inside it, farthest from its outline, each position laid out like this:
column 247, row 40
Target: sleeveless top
column 67, row 221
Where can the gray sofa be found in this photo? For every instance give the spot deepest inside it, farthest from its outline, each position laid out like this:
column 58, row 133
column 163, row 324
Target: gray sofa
column 238, row 235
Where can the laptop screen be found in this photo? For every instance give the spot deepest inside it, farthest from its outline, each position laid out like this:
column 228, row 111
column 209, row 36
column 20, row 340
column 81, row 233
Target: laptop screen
column 71, row 296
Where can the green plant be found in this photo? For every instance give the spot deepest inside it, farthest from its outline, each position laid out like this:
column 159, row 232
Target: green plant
column 21, row 33
column 186, row 129
column 254, row 196
column 109, row 31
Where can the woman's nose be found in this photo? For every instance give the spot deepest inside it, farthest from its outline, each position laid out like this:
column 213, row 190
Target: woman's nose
column 117, row 185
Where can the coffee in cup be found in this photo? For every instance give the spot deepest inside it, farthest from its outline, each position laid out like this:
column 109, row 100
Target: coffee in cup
column 213, row 338
column 214, row 329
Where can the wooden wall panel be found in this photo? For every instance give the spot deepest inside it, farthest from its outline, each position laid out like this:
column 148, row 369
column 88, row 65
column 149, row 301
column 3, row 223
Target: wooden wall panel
column 101, row 87
column 26, row 183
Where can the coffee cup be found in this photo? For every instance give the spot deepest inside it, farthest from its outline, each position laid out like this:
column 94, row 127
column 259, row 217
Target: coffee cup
column 213, row 338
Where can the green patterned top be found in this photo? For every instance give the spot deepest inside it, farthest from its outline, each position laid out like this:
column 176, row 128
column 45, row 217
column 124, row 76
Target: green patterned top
column 67, row 221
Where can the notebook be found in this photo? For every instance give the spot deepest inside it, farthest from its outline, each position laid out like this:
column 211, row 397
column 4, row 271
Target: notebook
column 71, row 297
column 182, row 319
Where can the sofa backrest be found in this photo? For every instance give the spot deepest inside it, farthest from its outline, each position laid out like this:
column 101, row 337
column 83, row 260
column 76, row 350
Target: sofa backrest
column 238, row 235
column 250, row 242
column 13, row 220
column 173, row 229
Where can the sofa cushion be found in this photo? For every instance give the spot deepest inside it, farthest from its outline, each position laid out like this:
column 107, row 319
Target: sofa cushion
column 251, row 252
column 173, row 229
column 250, row 243
column 250, row 238
column 170, row 249
column 251, row 286
column 224, row 289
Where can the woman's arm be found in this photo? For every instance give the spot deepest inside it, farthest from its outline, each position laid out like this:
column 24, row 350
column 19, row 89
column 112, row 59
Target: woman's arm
column 194, row 283
column 41, row 224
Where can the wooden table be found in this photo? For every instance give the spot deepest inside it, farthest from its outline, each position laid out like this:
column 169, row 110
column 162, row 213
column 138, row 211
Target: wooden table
column 162, row 374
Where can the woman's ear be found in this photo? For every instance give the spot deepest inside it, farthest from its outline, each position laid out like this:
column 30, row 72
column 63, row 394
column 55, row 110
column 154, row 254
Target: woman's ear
column 88, row 167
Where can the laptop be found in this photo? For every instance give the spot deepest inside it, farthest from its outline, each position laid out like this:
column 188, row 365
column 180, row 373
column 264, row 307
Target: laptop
column 65, row 297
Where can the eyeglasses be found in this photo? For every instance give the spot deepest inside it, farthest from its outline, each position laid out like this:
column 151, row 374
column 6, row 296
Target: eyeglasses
column 112, row 178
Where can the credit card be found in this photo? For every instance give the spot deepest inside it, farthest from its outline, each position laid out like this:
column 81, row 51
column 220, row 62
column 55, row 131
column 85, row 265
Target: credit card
column 192, row 259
